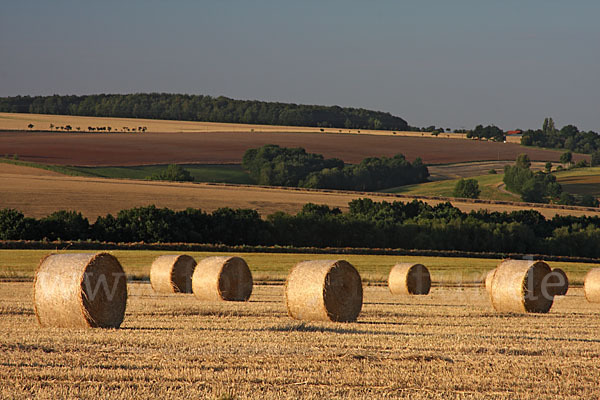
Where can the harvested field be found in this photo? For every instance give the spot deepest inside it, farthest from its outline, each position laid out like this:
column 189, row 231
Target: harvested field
column 98, row 196
column 449, row 344
column 583, row 184
column 229, row 147
column 20, row 122
column 467, row 170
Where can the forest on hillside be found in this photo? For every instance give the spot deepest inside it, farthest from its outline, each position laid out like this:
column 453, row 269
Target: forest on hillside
column 185, row 107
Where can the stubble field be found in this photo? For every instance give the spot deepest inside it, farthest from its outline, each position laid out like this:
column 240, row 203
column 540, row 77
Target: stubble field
column 449, row 344
column 38, row 193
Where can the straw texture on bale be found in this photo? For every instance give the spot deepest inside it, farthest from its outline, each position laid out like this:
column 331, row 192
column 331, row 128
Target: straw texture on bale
column 222, row 278
column 559, row 283
column 80, row 291
column 324, row 290
column 591, row 286
column 520, row 286
column 172, row 273
column 406, row 278
column 488, row 281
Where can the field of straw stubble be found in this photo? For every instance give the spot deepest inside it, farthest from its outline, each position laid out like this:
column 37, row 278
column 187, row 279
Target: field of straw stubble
column 449, row 344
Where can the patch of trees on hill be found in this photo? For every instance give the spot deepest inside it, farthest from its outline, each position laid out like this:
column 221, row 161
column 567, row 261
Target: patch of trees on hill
column 540, row 187
column 279, row 166
column 367, row 224
column 203, row 108
column 568, row 137
column 491, row 132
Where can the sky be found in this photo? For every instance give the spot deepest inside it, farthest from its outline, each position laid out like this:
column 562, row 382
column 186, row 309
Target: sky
column 453, row 64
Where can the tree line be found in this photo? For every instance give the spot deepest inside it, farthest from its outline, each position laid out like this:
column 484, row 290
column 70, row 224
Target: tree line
column 367, row 224
column 569, row 137
column 273, row 165
column 203, row 108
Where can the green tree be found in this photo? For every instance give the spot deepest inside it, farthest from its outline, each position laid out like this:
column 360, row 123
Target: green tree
column 548, row 167
column 173, row 172
column 566, row 157
column 596, row 159
column 523, row 161
column 467, row 188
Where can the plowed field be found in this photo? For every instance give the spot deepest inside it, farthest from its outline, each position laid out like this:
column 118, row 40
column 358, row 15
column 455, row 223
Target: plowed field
column 222, row 147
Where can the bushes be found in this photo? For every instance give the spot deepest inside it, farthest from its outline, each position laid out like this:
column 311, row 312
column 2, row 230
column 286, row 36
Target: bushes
column 279, row 166
column 467, row 188
column 174, row 173
column 534, row 187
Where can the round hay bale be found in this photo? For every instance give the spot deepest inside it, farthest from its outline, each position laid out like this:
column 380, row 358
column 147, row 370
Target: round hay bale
column 558, row 283
column 520, row 286
column 222, row 278
column 406, row 278
column 324, row 290
column 80, row 291
column 591, row 286
column 172, row 273
column 488, row 281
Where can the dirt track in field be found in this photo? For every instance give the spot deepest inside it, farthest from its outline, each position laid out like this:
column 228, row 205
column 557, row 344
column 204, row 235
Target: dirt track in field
column 89, row 149
column 40, row 195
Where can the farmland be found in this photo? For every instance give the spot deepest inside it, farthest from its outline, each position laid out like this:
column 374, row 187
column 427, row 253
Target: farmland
column 20, row 122
column 577, row 181
column 228, row 148
column 445, row 345
column 38, row 193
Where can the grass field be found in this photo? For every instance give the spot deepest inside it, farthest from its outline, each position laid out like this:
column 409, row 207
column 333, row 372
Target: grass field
column 488, row 184
column 21, row 265
column 449, row 344
column 577, row 181
column 201, row 173
column 581, row 181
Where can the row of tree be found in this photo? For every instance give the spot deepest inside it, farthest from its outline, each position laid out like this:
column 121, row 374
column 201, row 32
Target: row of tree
column 569, row 137
column 280, row 166
column 490, row 132
column 203, row 108
column 368, row 224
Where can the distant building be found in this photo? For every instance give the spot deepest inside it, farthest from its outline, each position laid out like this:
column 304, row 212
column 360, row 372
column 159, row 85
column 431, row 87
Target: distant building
column 514, row 136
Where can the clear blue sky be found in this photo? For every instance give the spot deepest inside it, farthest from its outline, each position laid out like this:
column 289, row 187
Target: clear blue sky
column 450, row 63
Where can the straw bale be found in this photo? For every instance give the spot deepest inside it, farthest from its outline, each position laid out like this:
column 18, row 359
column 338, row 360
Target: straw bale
column 80, row 291
column 222, row 278
column 172, row 273
column 324, row 290
column 520, row 286
column 591, row 285
column 488, row 281
column 558, row 282
column 407, row 278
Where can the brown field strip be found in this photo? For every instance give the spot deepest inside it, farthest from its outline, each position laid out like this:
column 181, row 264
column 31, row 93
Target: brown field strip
column 582, row 184
column 41, row 195
column 449, row 344
column 228, row 147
